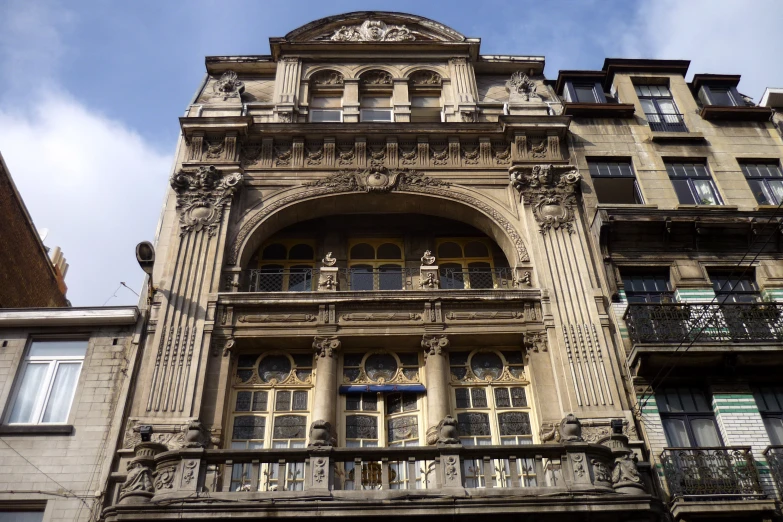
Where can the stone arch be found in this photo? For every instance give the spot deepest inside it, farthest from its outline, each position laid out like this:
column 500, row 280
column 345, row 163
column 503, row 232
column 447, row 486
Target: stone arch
column 342, row 71
column 318, row 201
column 408, row 72
column 393, row 71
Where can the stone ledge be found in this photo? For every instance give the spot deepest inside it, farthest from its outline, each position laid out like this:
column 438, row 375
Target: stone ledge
column 728, row 509
column 38, row 429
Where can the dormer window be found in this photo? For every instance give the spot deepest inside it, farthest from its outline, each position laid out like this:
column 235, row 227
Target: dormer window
column 326, row 97
column 580, row 92
column 723, row 96
column 375, row 104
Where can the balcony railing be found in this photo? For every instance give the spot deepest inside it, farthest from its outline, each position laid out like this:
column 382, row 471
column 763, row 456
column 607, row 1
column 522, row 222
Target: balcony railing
column 676, row 323
column 454, row 278
column 666, row 122
column 728, row 473
column 774, row 456
column 374, row 279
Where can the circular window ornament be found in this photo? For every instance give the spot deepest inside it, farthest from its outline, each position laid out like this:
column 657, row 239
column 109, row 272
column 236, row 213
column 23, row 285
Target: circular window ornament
column 486, row 366
column 274, row 368
column 381, row 367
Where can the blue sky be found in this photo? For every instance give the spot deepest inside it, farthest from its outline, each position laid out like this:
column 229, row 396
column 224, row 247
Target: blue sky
column 92, row 89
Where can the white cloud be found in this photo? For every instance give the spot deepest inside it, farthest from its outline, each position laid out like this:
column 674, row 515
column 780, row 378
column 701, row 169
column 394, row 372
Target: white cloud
column 718, row 36
column 94, row 183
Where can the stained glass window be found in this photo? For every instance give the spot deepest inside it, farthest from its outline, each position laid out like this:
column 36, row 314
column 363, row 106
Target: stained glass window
column 473, row 424
column 486, row 364
column 276, row 367
column 290, row 427
column 381, row 366
column 361, row 427
column 399, row 402
column 514, row 423
column 249, row 427
column 251, row 401
column 403, row 428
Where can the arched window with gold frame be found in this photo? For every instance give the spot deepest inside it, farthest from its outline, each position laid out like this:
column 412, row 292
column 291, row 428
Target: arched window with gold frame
column 284, row 266
column 376, row 264
column 270, row 409
column 466, row 263
column 383, row 406
column 490, row 398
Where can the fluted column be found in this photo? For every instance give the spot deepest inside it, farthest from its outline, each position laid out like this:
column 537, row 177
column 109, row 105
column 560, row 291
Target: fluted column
column 436, row 369
column 325, row 402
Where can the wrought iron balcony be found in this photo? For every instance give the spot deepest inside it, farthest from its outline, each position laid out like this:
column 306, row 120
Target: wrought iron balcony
column 726, row 473
column 666, row 122
column 684, row 323
column 774, row 456
column 373, row 279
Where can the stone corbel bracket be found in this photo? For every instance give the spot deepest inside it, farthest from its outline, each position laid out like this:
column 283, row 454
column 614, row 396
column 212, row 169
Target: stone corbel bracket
column 551, row 191
column 202, row 195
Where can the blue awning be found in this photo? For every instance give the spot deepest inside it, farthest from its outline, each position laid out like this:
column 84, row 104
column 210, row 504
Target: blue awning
column 364, row 388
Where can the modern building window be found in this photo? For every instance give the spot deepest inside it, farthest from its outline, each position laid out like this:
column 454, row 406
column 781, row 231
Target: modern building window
column 720, row 96
column 47, row 382
column 426, row 109
column 734, row 288
column 271, row 410
column 650, row 286
column 614, row 182
column 376, row 109
column 326, row 109
column 660, row 109
column 770, row 404
column 693, row 183
column 584, row 92
column 284, row 266
column 688, row 419
column 465, row 263
column 765, row 180
column 21, row 516
column 376, row 264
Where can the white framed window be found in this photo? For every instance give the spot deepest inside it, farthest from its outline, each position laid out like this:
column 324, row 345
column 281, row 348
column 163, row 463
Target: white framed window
column 325, row 109
column 376, row 108
column 47, row 383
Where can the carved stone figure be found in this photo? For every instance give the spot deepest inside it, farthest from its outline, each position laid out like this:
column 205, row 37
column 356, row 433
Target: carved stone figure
column 373, row 31
column 321, row 434
column 428, row 259
column 201, row 197
column 551, row 191
column 196, row 436
column 425, row 78
column 376, row 78
column 570, row 429
column 137, row 483
column 520, row 84
column 228, row 86
column 325, row 78
column 430, row 282
column 447, row 431
column 625, row 475
column 328, row 260
column 328, row 283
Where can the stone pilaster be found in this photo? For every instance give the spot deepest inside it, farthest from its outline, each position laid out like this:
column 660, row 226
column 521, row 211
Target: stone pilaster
column 289, row 71
column 325, row 403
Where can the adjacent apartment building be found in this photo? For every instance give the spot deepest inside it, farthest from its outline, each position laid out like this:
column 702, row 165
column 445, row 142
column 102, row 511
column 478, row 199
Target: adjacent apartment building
column 398, row 278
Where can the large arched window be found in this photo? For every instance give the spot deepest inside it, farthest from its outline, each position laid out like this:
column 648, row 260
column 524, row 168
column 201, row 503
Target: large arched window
column 424, row 89
column 490, row 395
column 326, row 97
column 271, row 409
column 376, row 264
column 285, row 265
column 466, row 263
column 375, row 101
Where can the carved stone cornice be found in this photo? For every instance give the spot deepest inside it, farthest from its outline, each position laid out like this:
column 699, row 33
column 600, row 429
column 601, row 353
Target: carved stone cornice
column 434, row 344
column 326, row 346
column 376, row 179
column 551, row 191
column 202, row 196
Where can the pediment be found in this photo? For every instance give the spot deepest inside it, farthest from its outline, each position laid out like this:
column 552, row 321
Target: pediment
column 374, row 27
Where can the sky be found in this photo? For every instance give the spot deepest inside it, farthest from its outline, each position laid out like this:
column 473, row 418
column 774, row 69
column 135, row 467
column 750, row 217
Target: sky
column 92, row 90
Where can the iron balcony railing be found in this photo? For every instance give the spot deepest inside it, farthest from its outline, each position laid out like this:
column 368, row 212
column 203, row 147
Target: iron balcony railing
column 774, row 456
column 373, row 279
column 676, row 323
column 666, row 122
column 283, row 280
column 476, row 278
column 728, row 473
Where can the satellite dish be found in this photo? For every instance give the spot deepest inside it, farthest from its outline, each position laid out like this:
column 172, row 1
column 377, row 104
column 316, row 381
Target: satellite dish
column 42, row 233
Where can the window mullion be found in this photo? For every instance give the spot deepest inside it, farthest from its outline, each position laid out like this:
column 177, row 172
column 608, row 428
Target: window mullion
column 43, row 398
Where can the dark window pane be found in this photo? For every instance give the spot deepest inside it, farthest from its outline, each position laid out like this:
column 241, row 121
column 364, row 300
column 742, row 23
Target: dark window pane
column 352, row 359
column 259, row 401
column 300, row 401
column 390, row 277
column 463, row 398
column 514, row 357
column 683, row 190
column 721, row 96
column 393, row 403
column 353, row 402
column 514, row 423
column 380, row 366
column 362, row 278
column 362, row 251
column 618, row 191
column 369, row 401
column 479, row 396
column 502, row 398
column 276, row 251
column 243, row 401
column 518, row 397
column 300, row 279
column 276, row 367
column 303, row 360
column 244, row 375
column 486, row 364
column 480, row 275
column 361, row 427
column 476, row 249
column 301, row 251
column 283, row 402
column 389, row 251
column 351, row 374
column 473, row 424
column 410, row 402
column 449, row 250
column 458, row 358
column 585, row 93
column 409, row 359
column 403, row 428
column 290, row 427
column 247, row 361
column 249, row 427
column 452, row 277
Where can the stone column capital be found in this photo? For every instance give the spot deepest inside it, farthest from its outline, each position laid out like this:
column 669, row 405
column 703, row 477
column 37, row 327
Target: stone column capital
column 326, row 347
column 434, row 344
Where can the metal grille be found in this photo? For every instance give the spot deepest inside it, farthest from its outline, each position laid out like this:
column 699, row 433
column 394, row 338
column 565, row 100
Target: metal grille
column 282, row 280
column 476, row 278
column 724, row 472
column 666, row 122
column 774, row 456
column 368, row 279
column 675, row 323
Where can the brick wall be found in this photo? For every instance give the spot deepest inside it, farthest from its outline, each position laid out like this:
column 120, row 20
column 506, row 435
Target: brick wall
column 73, row 461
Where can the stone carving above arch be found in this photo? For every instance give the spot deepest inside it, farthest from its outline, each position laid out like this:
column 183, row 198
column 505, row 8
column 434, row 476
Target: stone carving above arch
column 374, row 26
column 551, row 191
column 425, row 78
column 327, row 78
column 379, row 180
column 376, row 77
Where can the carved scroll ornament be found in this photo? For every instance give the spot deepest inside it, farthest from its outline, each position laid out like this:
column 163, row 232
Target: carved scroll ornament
column 551, row 191
column 202, row 196
column 373, row 31
column 434, row 344
column 228, row 86
column 326, row 346
column 520, row 84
